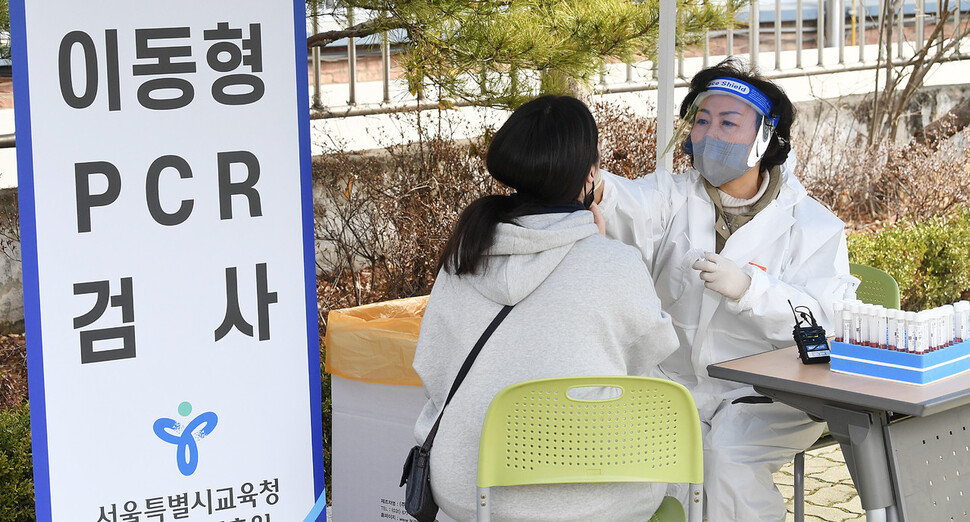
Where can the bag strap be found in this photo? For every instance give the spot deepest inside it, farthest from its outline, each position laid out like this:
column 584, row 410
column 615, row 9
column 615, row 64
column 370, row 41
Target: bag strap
column 464, row 371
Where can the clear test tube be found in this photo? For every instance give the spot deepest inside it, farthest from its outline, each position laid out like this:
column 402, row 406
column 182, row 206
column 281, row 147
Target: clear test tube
column 874, row 326
column 855, row 332
column 931, row 329
column 940, row 328
column 897, row 329
column 863, row 325
column 891, row 323
column 872, row 329
column 939, row 319
column 965, row 319
column 939, row 341
column 837, row 308
column 846, row 320
column 958, row 322
column 911, row 321
column 962, row 320
column 961, row 313
column 872, row 317
column 882, row 325
column 922, row 337
column 948, row 330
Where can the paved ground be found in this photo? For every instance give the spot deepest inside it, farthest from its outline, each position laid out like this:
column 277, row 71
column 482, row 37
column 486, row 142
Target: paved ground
column 829, row 493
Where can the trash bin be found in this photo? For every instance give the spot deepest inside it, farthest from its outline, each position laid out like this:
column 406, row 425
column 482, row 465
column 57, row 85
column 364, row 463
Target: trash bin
column 376, row 397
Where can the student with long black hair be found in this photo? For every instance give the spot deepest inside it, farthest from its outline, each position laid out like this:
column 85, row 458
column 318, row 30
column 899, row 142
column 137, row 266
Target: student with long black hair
column 583, row 305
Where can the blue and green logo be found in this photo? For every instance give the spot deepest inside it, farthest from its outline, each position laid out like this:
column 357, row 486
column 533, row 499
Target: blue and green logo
column 185, row 439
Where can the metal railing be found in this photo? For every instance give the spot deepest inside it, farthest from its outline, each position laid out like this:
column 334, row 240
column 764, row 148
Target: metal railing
column 793, row 25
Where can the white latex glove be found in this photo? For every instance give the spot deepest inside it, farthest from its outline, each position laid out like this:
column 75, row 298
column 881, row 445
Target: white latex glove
column 723, row 275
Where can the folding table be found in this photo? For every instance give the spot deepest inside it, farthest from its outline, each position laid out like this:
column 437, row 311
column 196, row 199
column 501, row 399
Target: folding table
column 907, row 446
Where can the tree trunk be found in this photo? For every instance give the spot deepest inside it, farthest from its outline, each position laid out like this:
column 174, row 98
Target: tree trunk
column 951, row 123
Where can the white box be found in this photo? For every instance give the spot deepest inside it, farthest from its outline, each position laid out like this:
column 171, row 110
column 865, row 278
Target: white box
column 373, row 430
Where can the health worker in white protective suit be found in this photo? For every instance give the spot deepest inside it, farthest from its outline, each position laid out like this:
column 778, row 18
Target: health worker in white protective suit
column 729, row 244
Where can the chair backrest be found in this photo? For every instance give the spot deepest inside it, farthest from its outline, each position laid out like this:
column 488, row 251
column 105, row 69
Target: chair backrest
column 536, row 433
column 877, row 287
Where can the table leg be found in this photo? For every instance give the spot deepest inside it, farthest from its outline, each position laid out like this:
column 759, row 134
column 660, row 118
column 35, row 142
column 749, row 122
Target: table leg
column 860, row 434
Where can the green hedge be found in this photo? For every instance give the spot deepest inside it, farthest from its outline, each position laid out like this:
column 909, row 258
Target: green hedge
column 930, row 260
column 16, row 469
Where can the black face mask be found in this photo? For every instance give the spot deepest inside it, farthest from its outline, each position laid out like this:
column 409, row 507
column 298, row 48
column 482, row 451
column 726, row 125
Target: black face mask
column 588, row 197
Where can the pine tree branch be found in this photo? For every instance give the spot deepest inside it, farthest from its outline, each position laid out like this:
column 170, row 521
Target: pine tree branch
column 378, row 25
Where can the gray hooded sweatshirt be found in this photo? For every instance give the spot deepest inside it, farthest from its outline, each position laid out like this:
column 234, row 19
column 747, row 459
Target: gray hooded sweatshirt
column 584, row 305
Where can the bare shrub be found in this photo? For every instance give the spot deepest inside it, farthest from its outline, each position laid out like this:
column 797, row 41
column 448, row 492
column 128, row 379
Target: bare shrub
column 13, row 371
column 9, row 225
column 388, row 213
column 868, row 186
column 628, row 141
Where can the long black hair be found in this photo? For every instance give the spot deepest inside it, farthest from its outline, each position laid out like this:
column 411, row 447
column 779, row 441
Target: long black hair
column 545, row 151
column 782, row 108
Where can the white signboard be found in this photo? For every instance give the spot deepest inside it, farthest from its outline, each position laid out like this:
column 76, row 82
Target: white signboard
column 163, row 153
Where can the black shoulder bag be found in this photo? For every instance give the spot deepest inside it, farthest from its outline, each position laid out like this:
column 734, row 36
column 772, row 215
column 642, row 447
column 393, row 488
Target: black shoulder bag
column 417, row 468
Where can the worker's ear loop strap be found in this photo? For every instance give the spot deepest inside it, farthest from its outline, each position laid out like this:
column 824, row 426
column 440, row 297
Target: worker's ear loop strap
column 598, row 180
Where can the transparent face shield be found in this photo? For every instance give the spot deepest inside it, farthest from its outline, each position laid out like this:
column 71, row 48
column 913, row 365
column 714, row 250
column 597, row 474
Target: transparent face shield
column 726, row 133
column 728, row 118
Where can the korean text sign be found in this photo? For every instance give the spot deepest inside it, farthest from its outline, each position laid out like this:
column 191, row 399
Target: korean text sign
column 166, row 220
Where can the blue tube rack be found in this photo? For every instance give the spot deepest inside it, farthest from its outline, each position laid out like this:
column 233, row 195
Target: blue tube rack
column 900, row 366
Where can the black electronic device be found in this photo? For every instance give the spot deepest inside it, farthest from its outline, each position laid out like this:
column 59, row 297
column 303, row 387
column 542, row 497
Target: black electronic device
column 813, row 347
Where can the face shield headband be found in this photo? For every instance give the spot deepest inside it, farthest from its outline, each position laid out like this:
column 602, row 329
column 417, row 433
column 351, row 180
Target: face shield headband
column 739, row 90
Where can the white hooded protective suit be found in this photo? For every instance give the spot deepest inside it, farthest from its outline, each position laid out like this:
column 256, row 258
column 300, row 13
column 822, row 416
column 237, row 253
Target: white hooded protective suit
column 794, row 249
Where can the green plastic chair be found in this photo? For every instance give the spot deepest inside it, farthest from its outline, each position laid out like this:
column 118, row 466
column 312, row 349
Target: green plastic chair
column 877, row 287
column 536, row 433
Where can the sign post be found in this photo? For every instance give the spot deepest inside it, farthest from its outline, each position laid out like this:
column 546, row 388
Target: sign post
column 167, row 237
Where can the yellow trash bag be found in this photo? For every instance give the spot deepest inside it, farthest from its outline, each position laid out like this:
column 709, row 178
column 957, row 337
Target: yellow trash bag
column 375, row 343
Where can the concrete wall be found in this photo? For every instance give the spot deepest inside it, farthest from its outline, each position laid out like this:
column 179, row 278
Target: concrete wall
column 851, row 113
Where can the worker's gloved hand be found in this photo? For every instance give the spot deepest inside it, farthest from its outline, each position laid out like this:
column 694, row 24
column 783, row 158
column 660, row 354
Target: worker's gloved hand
column 723, row 275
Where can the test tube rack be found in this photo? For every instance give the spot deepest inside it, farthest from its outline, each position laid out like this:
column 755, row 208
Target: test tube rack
column 913, row 368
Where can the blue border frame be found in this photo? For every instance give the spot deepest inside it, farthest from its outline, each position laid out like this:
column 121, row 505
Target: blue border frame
column 28, row 242
column 309, row 254
column 28, row 256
